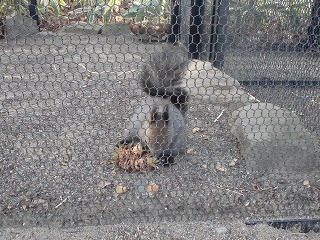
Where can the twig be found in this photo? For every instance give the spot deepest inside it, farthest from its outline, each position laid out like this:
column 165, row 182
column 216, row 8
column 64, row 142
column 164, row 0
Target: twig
column 119, row 74
column 230, row 190
column 63, row 201
column 219, row 116
column 81, row 65
column 133, row 70
column 254, row 97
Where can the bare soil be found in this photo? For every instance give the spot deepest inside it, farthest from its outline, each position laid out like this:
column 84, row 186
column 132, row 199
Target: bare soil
column 64, row 101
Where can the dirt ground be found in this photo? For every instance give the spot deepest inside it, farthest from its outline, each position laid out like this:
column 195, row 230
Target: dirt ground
column 64, row 101
column 228, row 230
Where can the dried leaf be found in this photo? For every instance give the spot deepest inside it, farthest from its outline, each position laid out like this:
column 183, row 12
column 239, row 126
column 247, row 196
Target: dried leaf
column 134, row 158
column 152, row 187
column 40, row 201
column 222, row 169
column 190, row 151
column 29, row 203
column 196, row 129
column 233, row 162
column 102, row 184
column 120, row 189
column 255, row 187
column 306, row 183
column 64, row 163
column 25, row 203
column 205, row 137
column 138, row 149
column 218, row 165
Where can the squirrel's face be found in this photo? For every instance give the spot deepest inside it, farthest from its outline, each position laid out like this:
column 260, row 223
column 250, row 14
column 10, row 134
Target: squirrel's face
column 156, row 130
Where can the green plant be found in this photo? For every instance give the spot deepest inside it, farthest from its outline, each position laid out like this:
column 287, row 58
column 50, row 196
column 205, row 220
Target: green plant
column 56, row 7
column 95, row 9
column 148, row 10
column 269, row 17
column 9, row 6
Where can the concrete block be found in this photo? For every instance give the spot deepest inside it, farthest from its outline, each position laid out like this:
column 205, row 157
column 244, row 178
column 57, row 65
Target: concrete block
column 208, row 83
column 273, row 139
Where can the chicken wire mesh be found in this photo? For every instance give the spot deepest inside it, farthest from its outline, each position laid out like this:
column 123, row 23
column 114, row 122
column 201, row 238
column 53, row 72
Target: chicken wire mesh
column 67, row 93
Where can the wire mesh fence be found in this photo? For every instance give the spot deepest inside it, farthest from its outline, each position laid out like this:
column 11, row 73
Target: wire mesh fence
column 68, row 91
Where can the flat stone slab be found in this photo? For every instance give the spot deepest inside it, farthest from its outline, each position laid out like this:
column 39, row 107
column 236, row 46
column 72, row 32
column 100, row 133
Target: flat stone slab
column 273, row 139
column 208, row 83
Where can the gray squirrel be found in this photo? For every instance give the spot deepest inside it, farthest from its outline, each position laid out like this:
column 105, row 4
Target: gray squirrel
column 158, row 123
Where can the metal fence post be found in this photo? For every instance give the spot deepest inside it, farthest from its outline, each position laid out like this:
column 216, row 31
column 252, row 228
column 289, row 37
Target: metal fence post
column 218, row 35
column 203, row 29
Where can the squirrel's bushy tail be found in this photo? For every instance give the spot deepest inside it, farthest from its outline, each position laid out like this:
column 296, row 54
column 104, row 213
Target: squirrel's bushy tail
column 162, row 75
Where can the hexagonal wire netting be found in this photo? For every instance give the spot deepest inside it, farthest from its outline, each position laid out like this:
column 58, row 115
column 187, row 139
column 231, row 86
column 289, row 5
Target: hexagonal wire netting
column 69, row 86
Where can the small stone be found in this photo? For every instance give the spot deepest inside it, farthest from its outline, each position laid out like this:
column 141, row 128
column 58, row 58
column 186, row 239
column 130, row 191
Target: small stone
column 306, row 183
column 221, row 230
column 233, row 162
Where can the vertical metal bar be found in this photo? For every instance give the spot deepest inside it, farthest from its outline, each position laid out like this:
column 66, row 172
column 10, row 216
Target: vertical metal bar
column 33, row 10
column 196, row 28
column 175, row 21
column 219, row 24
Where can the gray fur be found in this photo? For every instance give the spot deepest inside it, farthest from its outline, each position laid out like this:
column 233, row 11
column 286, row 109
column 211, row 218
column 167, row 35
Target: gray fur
column 159, row 121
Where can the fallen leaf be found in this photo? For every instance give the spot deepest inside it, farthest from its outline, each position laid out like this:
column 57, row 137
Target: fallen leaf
column 134, row 157
column 102, row 184
column 218, row 165
column 306, row 183
column 233, row 162
column 196, row 129
column 255, row 187
column 152, row 187
column 190, row 151
column 25, row 203
column 120, row 189
column 40, row 201
column 64, row 163
column 115, row 170
column 222, row 169
column 205, row 137
column 29, row 203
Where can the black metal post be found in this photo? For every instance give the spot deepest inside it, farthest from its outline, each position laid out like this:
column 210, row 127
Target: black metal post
column 218, row 37
column 33, row 10
column 175, row 21
column 196, row 28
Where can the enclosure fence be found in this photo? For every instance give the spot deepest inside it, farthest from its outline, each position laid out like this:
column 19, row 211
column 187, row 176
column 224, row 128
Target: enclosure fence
column 69, row 85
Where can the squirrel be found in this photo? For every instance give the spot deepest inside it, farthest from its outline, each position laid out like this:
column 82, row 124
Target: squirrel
column 159, row 123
